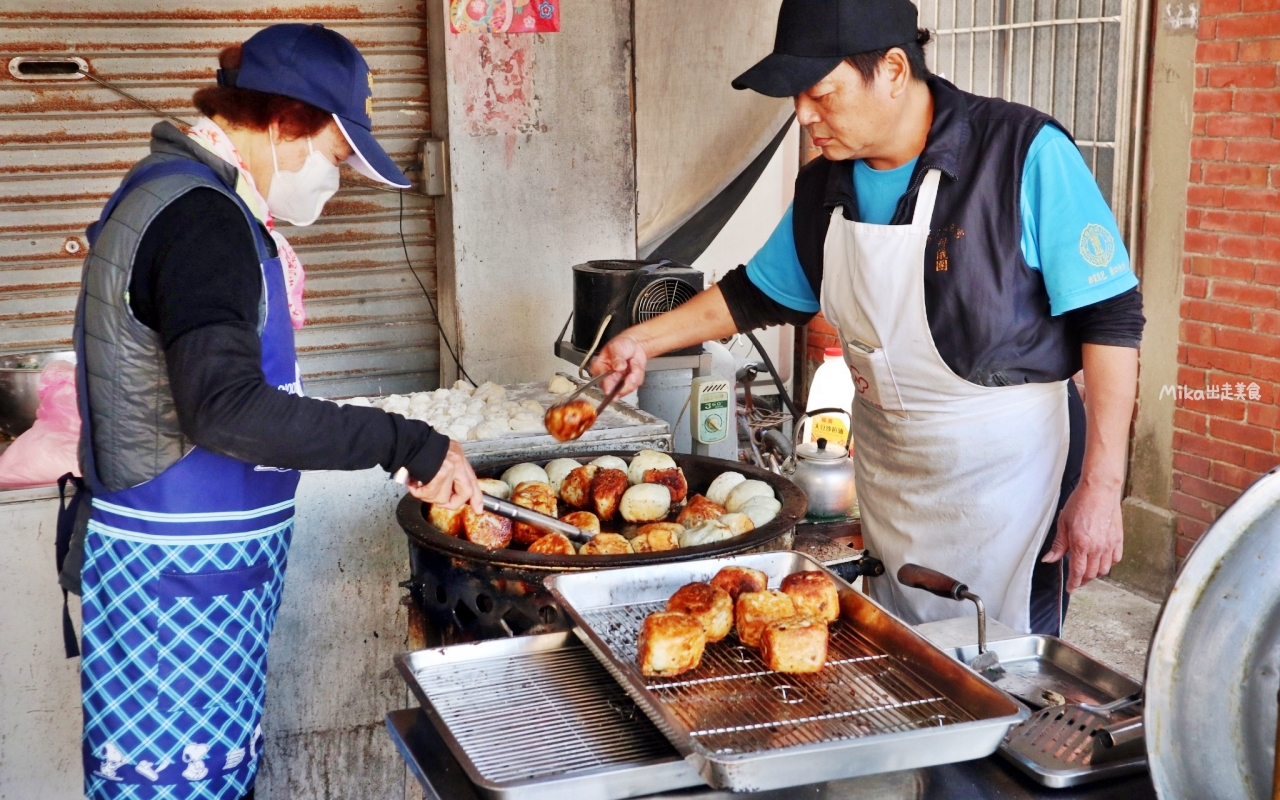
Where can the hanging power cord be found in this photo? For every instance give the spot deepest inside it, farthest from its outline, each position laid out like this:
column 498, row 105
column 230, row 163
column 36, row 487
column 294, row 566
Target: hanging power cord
column 153, row 109
column 409, row 262
column 768, row 364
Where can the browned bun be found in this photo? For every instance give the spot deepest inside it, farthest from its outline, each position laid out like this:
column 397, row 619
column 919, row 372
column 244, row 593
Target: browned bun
column 814, row 595
column 736, row 580
column 553, row 544
column 710, row 606
column 583, row 519
column 485, row 529
column 534, row 496
column 606, row 544
column 673, row 479
column 575, row 489
column 670, row 644
column 700, row 510
column 607, row 488
column 447, row 520
column 755, row 610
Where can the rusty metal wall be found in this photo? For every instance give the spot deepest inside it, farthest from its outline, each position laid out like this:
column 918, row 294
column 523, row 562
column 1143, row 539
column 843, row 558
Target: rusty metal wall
column 64, row 145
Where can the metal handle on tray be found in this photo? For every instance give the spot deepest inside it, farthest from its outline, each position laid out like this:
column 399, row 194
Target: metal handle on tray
column 918, row 577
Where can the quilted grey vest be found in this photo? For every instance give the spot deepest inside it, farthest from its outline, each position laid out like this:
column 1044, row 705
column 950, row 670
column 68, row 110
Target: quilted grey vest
column 130, row 405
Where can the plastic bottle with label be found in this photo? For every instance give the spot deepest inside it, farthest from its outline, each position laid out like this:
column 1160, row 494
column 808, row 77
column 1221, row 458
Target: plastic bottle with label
column 832, row 387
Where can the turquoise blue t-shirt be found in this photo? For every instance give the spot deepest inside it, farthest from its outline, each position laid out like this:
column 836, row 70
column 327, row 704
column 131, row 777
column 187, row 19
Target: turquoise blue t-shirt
column 1067, row 228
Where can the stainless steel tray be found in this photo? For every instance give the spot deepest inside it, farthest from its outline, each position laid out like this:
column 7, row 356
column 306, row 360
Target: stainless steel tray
column 887, row 699
column 1053, row 749
column 621, row 427
column 537, row 718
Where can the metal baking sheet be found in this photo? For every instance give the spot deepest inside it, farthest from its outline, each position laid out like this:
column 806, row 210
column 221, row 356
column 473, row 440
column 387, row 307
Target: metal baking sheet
column 538, row 718
column 621, row 427
column 1051, row 754
column 887, row 699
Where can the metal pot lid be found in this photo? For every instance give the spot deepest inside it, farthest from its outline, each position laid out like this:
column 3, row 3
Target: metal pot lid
column 1214, row 665
column 821, row 450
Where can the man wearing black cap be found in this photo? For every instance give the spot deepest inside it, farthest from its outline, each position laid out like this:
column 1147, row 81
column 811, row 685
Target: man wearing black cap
column 962, row 250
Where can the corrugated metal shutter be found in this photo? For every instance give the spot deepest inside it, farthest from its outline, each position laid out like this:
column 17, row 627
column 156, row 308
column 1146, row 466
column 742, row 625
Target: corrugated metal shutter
column 64, row 145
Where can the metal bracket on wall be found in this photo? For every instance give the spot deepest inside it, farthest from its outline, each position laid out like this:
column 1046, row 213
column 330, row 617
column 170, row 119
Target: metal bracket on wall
column 435, row 168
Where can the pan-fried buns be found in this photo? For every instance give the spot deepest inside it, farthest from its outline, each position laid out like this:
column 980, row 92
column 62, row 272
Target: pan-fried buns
column 670, row 644
column 657, row 536
column 485, row 529
column 575, row 489
column 569, row 421
column 756, row 610
column 739, row 523
column 814, row 595
column 673, row 479
column 553, row 544
column 736, row 580
column 607, row 488
column 447, row 520
column 710, row 606
column 645, row 502
column 583, row 519
column 700, row 510
column 535, row 496
column 797, row 645
column 606, row 544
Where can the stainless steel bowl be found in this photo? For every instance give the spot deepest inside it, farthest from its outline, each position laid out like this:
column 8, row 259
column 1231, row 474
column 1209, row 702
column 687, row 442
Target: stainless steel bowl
column 19, row 384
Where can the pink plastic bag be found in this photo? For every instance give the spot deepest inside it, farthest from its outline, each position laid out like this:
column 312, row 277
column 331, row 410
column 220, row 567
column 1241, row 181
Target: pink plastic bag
column 47, row 450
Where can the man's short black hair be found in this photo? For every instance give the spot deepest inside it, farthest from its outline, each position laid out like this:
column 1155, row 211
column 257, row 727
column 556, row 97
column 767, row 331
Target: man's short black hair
column 867, row 63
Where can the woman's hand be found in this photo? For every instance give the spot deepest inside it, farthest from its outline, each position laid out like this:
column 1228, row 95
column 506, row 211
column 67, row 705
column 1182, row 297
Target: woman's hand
column 625, row 357
column 453, row 485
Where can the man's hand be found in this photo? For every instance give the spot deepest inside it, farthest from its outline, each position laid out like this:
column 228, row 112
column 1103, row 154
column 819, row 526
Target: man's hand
column 625, row 358
column 1090, row 528
column 453, row 485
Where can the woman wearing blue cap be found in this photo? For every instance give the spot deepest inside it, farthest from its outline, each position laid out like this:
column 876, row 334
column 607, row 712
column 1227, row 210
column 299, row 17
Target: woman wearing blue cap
column 963, row 252
column 194, row 423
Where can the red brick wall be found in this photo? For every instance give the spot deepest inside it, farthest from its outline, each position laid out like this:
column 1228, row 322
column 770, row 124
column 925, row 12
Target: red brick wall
column 1230, row 330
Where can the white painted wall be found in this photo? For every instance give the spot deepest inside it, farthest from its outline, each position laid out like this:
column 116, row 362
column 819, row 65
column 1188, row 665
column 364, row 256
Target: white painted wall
column 541, row 178
column 330, row 680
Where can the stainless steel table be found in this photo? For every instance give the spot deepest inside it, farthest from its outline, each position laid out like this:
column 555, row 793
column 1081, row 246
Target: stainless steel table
column 985, row 779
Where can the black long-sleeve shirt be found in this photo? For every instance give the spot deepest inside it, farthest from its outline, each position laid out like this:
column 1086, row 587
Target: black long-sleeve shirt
column 196, row 282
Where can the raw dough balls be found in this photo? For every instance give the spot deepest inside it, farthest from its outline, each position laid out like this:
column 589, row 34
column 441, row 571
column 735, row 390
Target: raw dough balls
column 611, row 462
column 521, row 473
column 645, row 502
column 558, row 470
column 719, row 489
column 495, row 488
column 744, row 491
column 561, row 385
column 762, row 510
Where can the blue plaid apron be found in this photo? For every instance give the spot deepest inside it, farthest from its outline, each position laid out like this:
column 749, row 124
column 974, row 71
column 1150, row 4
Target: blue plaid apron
column 181, row 585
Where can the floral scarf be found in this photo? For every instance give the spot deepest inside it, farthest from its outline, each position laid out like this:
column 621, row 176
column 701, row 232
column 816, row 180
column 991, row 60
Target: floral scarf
column 207, row 133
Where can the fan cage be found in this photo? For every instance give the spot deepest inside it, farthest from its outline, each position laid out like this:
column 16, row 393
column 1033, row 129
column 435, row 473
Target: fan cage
column 659, row 297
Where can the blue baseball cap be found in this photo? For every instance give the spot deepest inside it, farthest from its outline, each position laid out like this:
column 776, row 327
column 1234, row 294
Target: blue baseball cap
column 322, row 67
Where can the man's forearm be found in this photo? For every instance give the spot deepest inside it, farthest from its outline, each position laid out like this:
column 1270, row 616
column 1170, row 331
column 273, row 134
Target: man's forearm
column 703, row 318
column 1111, row 384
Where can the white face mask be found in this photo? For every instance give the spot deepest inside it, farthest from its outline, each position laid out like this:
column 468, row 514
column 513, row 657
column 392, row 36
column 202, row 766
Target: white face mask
column 298, row 197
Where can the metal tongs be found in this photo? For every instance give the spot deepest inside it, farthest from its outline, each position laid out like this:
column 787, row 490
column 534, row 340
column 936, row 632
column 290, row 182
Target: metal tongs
column 608, row 399
column 515, row 513
column 918, row 577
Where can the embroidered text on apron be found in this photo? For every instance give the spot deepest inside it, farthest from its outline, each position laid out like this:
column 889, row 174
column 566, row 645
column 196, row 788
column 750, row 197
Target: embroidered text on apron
column 951, row 475
column 182, row 581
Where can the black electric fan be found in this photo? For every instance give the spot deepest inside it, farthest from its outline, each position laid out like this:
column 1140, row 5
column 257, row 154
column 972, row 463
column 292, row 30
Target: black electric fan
column 627, row 293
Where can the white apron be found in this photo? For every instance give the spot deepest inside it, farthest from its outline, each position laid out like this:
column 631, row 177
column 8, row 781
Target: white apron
column 951, row 475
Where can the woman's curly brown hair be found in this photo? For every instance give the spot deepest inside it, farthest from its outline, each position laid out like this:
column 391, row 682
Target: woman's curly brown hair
column 246, row 108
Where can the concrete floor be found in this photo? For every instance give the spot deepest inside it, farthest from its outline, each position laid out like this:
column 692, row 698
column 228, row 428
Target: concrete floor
column 1113, row 624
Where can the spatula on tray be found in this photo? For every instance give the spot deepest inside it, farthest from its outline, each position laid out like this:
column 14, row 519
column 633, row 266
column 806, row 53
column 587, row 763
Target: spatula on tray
column 918, row 577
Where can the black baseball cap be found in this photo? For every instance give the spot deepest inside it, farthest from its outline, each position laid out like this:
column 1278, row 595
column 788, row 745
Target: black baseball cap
column 814, row 36
column 322, row 67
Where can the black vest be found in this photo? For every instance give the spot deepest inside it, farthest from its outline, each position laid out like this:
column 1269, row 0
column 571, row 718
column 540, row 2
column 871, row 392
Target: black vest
column 988, row 310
